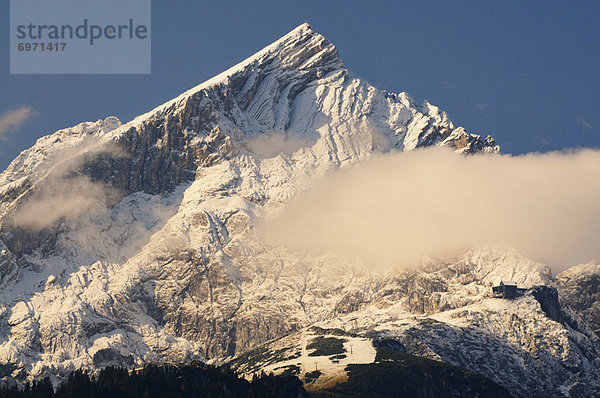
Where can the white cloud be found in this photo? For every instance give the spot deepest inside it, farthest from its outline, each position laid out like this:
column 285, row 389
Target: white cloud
column 12, row 120
column 66, row 198
column 395, row 209
column 268, row 146
column 62, row 193
column 482, row 107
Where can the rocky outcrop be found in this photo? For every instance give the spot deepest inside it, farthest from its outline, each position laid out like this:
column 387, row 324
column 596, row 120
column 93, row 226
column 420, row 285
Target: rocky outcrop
column 580, row 288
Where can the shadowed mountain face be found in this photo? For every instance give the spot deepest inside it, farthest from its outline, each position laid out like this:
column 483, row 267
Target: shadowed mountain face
column 124, row 244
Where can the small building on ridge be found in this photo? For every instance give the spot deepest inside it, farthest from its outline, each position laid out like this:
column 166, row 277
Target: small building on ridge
column 507, row 290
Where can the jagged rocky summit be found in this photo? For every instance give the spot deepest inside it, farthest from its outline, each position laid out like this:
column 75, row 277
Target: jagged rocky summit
column 126, row 244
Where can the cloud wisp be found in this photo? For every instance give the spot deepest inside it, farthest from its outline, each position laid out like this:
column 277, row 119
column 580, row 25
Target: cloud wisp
column 68, row 198
column 396, row 209
column 12, row 120
column 268, row 146
column 63, row 192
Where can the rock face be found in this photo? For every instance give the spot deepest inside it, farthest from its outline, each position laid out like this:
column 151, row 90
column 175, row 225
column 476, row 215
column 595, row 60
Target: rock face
column 580, row 288
column 135, row 243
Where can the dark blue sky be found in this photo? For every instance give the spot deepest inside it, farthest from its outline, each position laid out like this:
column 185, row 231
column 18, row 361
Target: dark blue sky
column 527, row 73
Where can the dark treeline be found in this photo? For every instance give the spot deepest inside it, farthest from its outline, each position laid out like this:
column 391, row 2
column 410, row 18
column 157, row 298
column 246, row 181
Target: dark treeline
column 167, row 381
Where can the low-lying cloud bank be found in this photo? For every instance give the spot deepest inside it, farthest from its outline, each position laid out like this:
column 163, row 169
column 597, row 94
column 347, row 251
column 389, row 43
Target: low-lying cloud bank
column 395, row 209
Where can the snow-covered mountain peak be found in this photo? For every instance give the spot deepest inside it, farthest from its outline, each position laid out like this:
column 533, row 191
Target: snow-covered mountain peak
column 301, row 29
column 170, row 268
column 302, row 49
